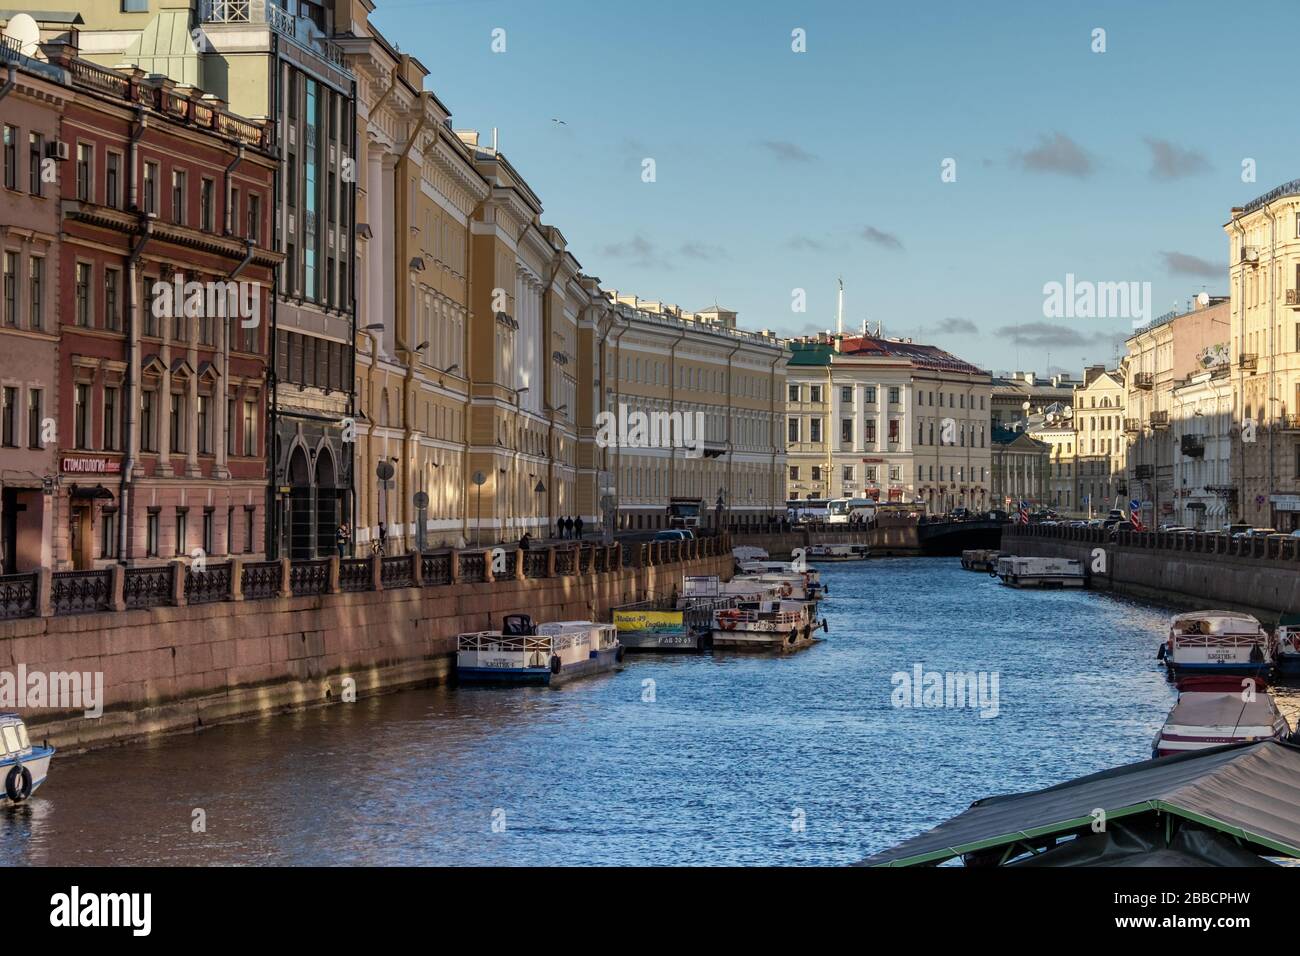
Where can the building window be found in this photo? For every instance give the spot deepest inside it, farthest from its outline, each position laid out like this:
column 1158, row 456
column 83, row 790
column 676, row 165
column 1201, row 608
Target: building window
column 81, row 416
column 178, row 196
column 9, row 424
column 11, row 288
column 11, row 156
column 893, row 396
column 815, row 430
column 85, row 153
column 869, row 431
column 108, row 543
column 112, row 310
column 207, row 532
column 846, row 393
column 870, row 397
column 893, row 430
column 182, row 531
column 151, row 535
column 793, row 430
column 816, row 472
column 254, row 230
column 847, row 473
column 151, row 189
column 815, row 393
column 794, row 472
column 203, row 420
column 250, row 429
column 35, row 153
column 35, row 398
column 895, row 473
column 846, row 430
column 83, row 294
column 794, row 389
column 110, row 419
column 177, row 429
column 207, row 204
column 248, row 530
column 112, row 180
column 148, row 411
column 36, row 292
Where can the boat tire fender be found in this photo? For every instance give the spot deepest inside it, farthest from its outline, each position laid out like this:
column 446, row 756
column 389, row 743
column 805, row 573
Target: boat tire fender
column 555, row 663
column 618, row 654
column 18, row 784
column 826, row 626
column 794, row 635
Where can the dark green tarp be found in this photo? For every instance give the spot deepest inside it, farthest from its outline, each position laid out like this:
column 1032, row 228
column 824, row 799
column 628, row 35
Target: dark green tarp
column 1249, row 791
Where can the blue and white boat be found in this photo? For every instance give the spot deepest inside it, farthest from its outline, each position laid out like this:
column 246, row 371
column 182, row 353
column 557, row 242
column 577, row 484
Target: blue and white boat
column 1288, row 645
column 23, row 767
column 1217, row 642
column 547, row 654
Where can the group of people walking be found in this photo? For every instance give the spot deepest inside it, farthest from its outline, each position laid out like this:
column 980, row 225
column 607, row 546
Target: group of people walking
column 565, row 528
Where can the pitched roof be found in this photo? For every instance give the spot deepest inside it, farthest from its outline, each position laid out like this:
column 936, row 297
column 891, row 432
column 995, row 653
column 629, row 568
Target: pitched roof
column 922, row 356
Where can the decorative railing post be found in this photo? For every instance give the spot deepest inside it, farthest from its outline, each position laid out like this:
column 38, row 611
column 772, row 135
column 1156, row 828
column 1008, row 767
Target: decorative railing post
column 550, row 561
column 178, row 582
column 520, row 560
column 286, row 578
column 236, row 579
column 332, row 581
column 455, row 566
column 44, row 592
column 376, row 572
column 117, row 588
column 417, row 569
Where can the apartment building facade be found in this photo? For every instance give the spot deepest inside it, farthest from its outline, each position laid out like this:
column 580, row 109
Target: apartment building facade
column 887, row 419
column 1101, row 446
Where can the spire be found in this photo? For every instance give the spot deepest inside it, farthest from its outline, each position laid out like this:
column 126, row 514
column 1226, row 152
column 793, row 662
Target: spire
column 839, row 310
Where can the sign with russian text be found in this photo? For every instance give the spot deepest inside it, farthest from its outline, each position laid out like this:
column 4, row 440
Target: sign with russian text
column 91, row 466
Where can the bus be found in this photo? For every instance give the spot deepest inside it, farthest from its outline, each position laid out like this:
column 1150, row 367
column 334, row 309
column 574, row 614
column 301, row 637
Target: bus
column 807, row 509
column 850, row 510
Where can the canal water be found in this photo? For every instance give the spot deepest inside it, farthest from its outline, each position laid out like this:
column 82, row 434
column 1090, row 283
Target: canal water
column 674, row 760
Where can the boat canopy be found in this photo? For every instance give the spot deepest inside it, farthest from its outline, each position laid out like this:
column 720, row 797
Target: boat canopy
column 1215, row 622
column 1218, row 709
column 1250, row 792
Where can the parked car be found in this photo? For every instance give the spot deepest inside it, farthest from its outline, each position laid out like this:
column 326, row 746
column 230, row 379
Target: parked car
column 673, row 534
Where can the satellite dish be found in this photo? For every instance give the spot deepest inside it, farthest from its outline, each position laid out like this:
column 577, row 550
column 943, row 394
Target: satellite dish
column 1203, row 299
column 1067, row 412
column 24, row 30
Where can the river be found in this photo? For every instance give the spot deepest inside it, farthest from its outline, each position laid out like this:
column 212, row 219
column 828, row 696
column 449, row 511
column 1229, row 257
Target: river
column 690, row 759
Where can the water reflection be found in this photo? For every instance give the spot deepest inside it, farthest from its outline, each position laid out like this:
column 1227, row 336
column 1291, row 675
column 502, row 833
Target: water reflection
column 722, row 768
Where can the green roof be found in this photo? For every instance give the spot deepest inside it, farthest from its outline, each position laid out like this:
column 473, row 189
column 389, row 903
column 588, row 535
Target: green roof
column 811, row 353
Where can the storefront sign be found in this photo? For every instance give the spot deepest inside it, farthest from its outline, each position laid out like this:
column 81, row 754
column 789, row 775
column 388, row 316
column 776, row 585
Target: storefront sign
column 1285, row 502
column 91, row 466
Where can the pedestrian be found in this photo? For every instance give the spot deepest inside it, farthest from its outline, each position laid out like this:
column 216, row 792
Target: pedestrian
column 341, row 538
column 525, row 540
column 577, row 526
column 568, row 527
column 383, row 538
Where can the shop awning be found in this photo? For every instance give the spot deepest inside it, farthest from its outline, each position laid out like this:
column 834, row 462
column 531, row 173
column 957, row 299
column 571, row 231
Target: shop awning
column 1248, row 792
column 98, row 492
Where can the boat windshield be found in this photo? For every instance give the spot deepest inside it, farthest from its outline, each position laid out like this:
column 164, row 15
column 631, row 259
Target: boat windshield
column 10, row 733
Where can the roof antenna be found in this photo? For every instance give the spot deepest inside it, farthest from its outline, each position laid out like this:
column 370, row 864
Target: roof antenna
column 839, row 310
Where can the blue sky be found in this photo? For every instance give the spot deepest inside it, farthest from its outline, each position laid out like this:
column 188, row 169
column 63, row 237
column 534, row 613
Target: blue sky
column 778, row 170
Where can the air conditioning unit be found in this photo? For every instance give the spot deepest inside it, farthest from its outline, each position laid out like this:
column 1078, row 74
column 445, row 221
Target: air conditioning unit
column 58, row 149
column 1250, row 254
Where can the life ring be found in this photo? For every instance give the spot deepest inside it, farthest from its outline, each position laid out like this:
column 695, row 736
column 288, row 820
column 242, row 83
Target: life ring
column 555, row 663
column 786, row 590
column 727, row 620
column 18, row 785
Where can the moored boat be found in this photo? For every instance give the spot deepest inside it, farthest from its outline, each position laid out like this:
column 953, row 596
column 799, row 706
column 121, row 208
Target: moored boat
column 1020, row 572
column 525, row 653
column 838, row 552
column 748, row 552
column 768, row 625
column 1216, row 710
column 1217, row 642
column 980, row 559
column 805, row 582
column 23, row 765
column 1287, row 643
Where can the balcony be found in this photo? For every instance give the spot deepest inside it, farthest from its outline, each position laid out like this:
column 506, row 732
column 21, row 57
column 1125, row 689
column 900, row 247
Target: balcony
column 1289, row 423
column 1193, row 446
column 1293, row 298
column 1159, row 419
column 1144, row 380
column 1133, row 425
column 1144, row 472
column 1247, row 361
column 302, row 30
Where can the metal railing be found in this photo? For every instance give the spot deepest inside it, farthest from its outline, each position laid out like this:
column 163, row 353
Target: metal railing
column 17, row 595
column 81, row 592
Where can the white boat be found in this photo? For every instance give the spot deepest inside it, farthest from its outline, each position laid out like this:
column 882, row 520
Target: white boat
column 23, row 766
column 524, row 653
column 1217, row 642
column 803, row 580
column 980, row 559
column 794, row 586
column 748, row 552
column 1040, row 572
column 838, row 552
column 1219, row 711
column 773, row 625
column 1286, row 644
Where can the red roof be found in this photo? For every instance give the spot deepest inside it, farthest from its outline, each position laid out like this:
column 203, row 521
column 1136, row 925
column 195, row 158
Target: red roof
column 922, row 356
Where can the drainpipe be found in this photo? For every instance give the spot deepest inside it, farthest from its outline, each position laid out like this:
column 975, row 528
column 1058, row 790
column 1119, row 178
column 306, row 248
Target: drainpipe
column 672, row 405
column 10, row 81
column 466, row 418
column 731, row 453
column 132, row 348
column 1241, row 374
column 618, row 396
column 547, row 375
column 228, row 226
column 772, row 436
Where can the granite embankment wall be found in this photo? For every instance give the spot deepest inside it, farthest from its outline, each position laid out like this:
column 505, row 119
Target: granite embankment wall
column 882, row 541
column 1188, row 571
column 174, row 668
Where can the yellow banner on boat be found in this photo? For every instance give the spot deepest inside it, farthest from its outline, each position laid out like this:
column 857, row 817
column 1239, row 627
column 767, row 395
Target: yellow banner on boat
column 649, row 621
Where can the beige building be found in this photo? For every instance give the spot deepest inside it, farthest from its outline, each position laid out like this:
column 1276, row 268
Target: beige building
column 888, row 419
column 721, row 389
column 1101, row 446
column 1203, row 415
column 1264, row 280
column 1020, row 466
column 1158, row 357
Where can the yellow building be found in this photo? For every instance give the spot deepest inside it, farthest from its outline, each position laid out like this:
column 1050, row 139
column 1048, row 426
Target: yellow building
column 1264, row 282
column 1100, row 441
column 691, row 408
